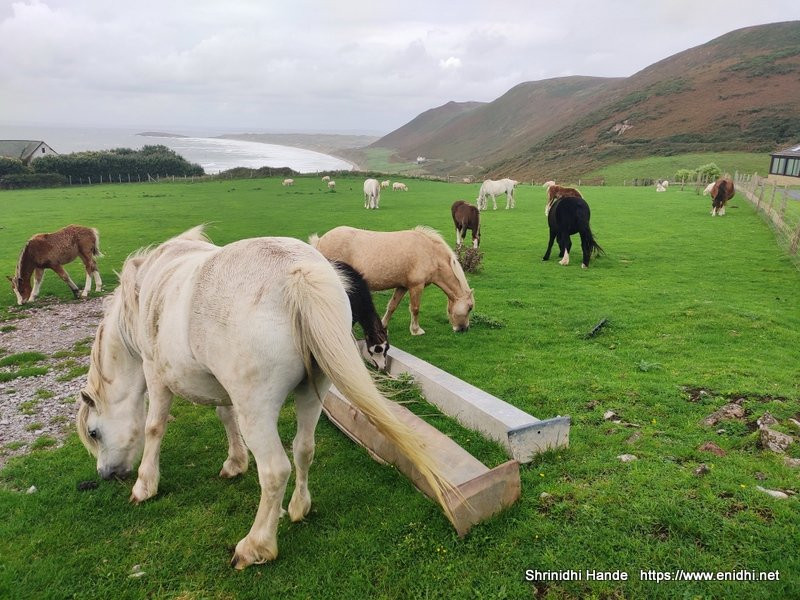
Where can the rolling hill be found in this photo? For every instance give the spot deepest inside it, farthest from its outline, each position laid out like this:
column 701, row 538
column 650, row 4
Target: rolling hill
column 740, row 91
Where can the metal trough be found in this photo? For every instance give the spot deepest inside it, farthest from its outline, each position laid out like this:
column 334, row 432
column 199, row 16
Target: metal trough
column 522, row 435
column 482, row 492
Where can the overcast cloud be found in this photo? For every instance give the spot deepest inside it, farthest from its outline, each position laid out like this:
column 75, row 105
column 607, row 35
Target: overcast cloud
column 324, row 65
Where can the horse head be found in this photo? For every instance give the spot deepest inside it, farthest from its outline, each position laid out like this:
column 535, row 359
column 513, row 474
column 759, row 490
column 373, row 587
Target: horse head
column 458, row 310
column 22, row 288
column 375, row 352
column 112, row 413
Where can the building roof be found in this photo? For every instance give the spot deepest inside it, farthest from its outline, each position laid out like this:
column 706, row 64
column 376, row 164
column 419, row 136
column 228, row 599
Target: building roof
column 20, row 149
column 793, row 151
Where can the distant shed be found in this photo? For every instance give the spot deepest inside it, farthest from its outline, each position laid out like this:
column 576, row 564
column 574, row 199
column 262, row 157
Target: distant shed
column 784, row 168
column 25, row 150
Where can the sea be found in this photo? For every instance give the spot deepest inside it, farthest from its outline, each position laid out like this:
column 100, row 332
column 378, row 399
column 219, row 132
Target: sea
column 212, row 153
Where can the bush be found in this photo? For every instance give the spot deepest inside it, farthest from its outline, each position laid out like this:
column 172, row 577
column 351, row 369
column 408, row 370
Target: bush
column 471, row 259
column 12, row 166
column 709, row 172
column 32, row 180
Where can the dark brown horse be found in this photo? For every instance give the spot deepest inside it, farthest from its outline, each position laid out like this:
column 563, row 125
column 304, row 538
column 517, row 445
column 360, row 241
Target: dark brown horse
column 721, row 192
column 466, row 216
column 52, row 251
column 568, row 216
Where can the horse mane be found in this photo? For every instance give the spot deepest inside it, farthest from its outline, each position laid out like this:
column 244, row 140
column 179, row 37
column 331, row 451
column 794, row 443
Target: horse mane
column 458, row 271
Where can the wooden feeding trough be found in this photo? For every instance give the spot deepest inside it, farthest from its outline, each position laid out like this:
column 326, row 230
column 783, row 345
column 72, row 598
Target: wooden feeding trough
column 481, row 492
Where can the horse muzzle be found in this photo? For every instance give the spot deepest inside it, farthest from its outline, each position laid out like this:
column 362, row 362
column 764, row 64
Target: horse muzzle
column 460, row 328
column 117, row 472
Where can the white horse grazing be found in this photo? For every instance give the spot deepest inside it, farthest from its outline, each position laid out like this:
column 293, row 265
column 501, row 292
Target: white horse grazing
column 399, row 187
column 331, row 185
column 326, row 178
column 494, row 188
column 239, row 327
column 385, row 184
column 288, row 182
column 372, row 193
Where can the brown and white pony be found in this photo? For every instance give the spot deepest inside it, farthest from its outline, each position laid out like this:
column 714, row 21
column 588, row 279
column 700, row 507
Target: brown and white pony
column 52, row 251
column 406, row 261
column 554, row 192
column 466, row 217
column 721, row 192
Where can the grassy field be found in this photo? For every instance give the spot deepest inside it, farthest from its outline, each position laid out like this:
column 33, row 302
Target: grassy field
column 665, row 167
column 692, row 303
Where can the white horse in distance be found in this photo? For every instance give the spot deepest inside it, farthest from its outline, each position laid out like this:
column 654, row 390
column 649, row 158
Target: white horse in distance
column 372, row 194
column 494, row 188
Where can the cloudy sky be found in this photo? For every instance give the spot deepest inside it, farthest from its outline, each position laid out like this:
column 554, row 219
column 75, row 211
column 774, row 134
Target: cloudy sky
column 365, row 66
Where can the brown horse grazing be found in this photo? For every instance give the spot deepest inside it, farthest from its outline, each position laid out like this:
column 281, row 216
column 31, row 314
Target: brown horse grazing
column 466, row 216
column 52, row 251
column 721, row 192
column 406, row 261
column 554, row 192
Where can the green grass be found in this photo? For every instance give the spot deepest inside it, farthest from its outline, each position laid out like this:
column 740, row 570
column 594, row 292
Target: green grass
column 691, row 303
column 665, row 167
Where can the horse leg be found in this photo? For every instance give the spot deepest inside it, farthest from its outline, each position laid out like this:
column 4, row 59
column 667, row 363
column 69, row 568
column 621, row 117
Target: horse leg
column 392, row 306
column 414, row 297
column 308, row 407
column 258, row 414
column 494, row 201
column 565, row 243
column 91, row 267
column 38, row 275
column 237, row 461
column 59, row 270
column 146, row 485
column 586, row 246
column 98, row 283
column 476, row 237
column 550, row 245
column 458, row 237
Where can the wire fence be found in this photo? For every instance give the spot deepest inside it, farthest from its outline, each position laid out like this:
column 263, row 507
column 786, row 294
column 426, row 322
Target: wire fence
column 778, row 206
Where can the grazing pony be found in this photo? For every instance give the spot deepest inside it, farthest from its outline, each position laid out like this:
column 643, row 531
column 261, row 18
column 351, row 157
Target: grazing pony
column 372, row 194
column 721, row 192
column 399, row 187
column 331, row 185
column 406, row 261
column 568, row 216
column 240, row 327
column 52, row 251
column 495, row 188
column 554, row 192
column 385, row 184
column 287, row 182
column 466, row 216
column 364, row 313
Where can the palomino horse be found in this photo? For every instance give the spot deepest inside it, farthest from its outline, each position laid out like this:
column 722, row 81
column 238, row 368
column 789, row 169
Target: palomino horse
column 554, row 192
column 466, row 217
column 240, row 327
column 568, row 216
column 52, row 251
column 721, row 192
column 494, row 188
column 364, row 313
column 406, row 261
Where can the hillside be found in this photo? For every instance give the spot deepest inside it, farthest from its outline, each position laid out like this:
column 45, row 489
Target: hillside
column 740, row 91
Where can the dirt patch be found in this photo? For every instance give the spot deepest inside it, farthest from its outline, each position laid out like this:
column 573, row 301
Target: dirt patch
column 39, row 411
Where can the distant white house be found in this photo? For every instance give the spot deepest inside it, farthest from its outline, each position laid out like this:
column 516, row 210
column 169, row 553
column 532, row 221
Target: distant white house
column 25, row 150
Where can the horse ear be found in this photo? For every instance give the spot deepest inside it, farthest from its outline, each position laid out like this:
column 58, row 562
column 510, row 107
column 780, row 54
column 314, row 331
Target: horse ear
column 87, row 398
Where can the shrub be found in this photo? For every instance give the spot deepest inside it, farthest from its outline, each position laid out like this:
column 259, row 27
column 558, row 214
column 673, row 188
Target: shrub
column 18, row 181
column 11, row 166
column 471, row 259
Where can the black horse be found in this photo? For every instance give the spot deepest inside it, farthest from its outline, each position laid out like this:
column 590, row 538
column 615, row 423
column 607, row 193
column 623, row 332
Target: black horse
column 364, row 313
column 567, row 216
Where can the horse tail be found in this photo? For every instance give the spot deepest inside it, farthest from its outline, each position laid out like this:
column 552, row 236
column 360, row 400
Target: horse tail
column 96, row 245
column 596, row 249
column 318, row 308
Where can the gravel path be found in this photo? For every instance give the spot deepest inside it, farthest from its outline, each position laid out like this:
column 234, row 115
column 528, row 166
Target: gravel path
column 43, row 407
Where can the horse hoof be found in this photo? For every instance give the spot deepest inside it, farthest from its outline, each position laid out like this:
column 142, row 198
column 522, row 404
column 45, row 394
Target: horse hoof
column 584, row 266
